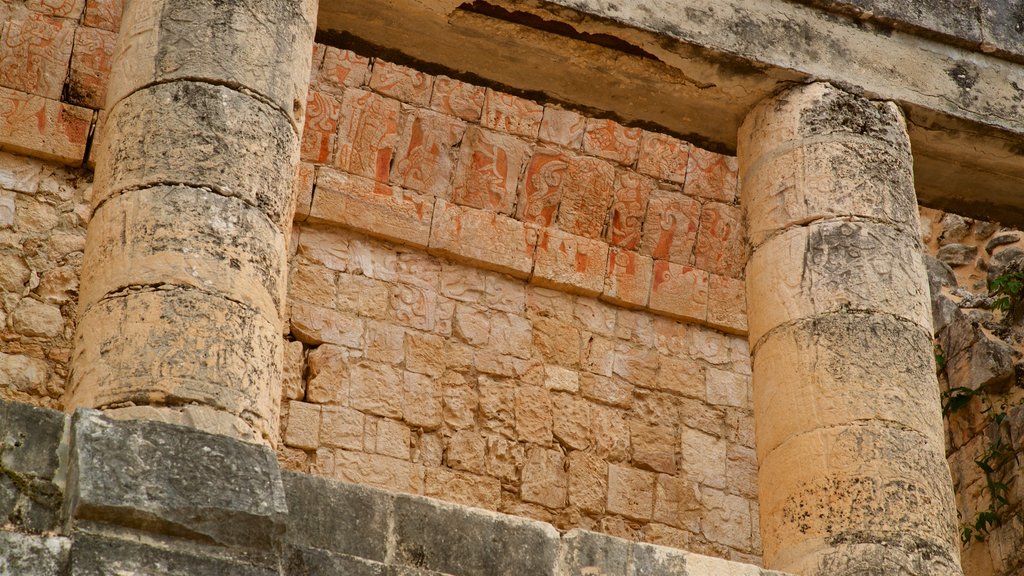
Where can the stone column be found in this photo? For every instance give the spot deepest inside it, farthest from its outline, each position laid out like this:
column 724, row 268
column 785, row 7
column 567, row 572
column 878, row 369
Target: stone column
column 853, row 478
column 183, row 280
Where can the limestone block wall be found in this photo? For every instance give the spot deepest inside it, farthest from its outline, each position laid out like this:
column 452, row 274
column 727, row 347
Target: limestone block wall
column 516, row 307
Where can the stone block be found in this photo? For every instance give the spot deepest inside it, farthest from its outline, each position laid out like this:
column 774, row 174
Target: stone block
column 484, row 238
column 629, row 207
column 368, row 135
column 303, row 429
column 824, row 180
column 305, row 181
column 342, row 518
column 373, row 387
column 71, row 9
column 704, row 457
column 31, row 490
column 650, row 560
column 175, row 480
column 35, row 54
column 37, row 319
column 679, row 291
column 727, row 304
column 562, row 127
column 923, row 514
column 677, row 502
column 630, row 492
column 974, row 359
column 822, row 111
column 629, row 278
column 583, row 553
column 234, row 355
column 588, row 482
column 90, row 67
column 586, row 195
column 837, row 266
column 421, row 401
column 663, row 157
column 105, row 14
column 533, row 415
column 257, row 49
column 24, row 555
column 457, row 98
column 341, row 69
column 376, row 470
column 95, row 555
column 184, row 236
column 541, row 189
column 299, row 561
column 425, row 155
column 231, row 123
column 462, row 488
column 341, row 427
column 545, row 480
column 488, row 171
column 824, row 388
column 611, row 140
column 457, row 540
column 712, row 176
column 726, row 519
column 311, row 324
column 571, row 421
column 653, row 447
column 511, row 114
column 373, row 208
column 320, row 131
column 670, row 229
column 18, row 174
column 721, row 243
column 44, row 128
column 401, row 82
column 728, row 388
column 609, row 433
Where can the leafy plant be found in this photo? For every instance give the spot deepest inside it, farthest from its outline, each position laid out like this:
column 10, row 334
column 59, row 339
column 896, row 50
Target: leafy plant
column 1007, row 288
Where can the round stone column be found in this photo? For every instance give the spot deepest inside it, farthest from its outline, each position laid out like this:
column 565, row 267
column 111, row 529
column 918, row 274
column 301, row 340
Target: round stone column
column 183, row 280
column 853, row 477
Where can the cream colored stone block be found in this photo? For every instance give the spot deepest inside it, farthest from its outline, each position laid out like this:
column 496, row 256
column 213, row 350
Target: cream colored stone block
column 341, row 427
column 240, row 147
column 303, row 430
column 488, row 239
column 865, row 478
column 704, row 458
column 173, row 235
column 179, row 346
column 545, row 480
column 421, row 401
column 819, row 111
column 462, row 488
column 376, row 470
column 571, row 263
column 630, row 492
column 823, row 180
column 839, row 369
column 372, row 208
column 832, row 267
column 263, row 47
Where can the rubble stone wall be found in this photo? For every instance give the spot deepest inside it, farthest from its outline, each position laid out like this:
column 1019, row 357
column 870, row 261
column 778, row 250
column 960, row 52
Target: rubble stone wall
column 981, row 357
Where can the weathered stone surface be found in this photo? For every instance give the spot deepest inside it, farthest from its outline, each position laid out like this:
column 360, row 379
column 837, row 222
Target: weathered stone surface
column 317, row 562
column 457, row 540
column 836, row 266
column 818, row 372
column 957, row 254
column 585, row 552
column 23, row 373
column 25, row 555
column 939, row 275
column 342, row 518
column 974, row 359
column 175, row 235
column 815, row 111
column 175, row 480
column 490, row 240
column 571, row 263
column 221, row 123
column 372, row 208
column 31, row 487
column 847, row 475
column 821, row 180
column 262, row 47
column 234, row 362
column 94, row 555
